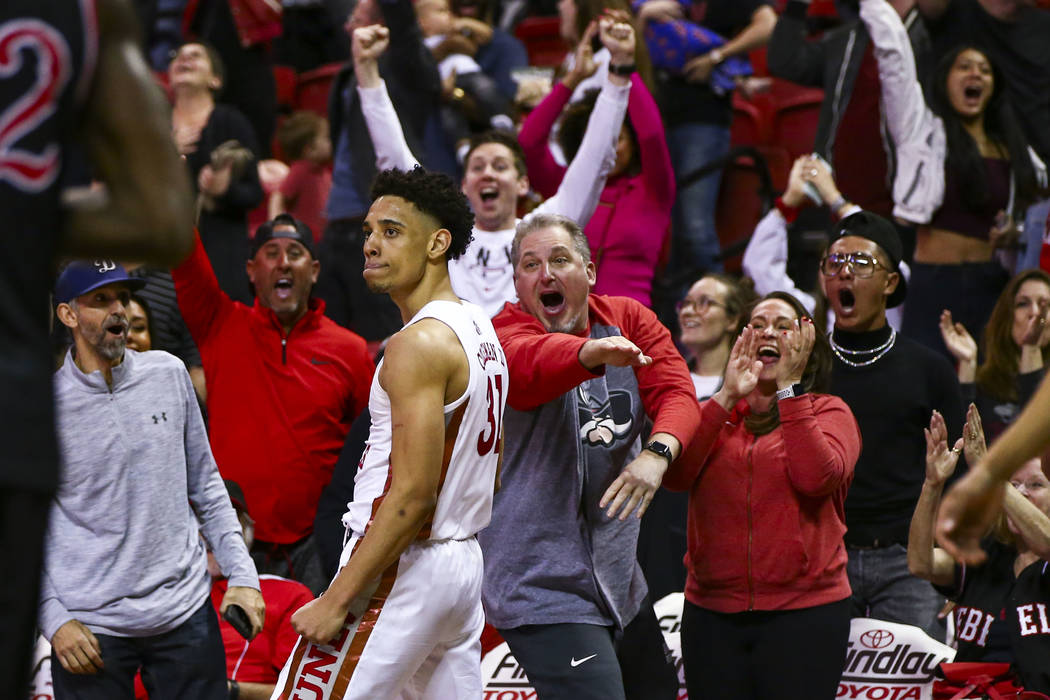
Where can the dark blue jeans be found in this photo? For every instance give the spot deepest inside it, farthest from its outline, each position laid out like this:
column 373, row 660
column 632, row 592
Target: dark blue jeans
column 187, row 662
column 884, row 589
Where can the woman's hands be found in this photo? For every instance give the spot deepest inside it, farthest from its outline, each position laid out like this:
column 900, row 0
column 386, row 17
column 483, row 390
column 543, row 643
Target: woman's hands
column 940, row 461
column 795, row 347
column 795, row 194
column 583, row 66
column 974, row 445
column 742, row 370
column 961, row 345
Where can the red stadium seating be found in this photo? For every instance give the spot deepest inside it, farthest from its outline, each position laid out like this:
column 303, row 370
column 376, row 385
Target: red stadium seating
column 285, row 79
column 542, row 40
column 742, row 202
column 313, row 86
column 750, row 126
column 794, row 115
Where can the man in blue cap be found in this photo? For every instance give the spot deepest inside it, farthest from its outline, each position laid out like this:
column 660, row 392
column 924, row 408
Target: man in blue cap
column 125, row 583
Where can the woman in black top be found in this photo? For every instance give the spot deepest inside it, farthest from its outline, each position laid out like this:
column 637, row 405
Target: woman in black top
column 1016, row 350
column 1001, row 605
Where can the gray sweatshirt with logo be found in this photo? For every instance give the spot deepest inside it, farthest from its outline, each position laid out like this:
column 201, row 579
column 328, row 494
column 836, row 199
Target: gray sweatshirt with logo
column 138, row 486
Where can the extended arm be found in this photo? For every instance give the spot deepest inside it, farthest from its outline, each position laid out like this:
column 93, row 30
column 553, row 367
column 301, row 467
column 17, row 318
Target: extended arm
column 670, row 402
column 652, row 142
column 912, row 126
column 924, row 559
column 584, row 180
column 755, row 34
column 384, row 126
column 219, row 523
column 545, row 173
column 417, row 368
column 148, row 206
column 202, row 302
column 1032, row 524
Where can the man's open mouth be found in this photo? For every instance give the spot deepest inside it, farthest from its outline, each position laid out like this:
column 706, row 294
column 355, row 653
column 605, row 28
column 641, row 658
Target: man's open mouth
column 552, row 301
column 847, row 300
column 489, row 193
column 117, row 328
column 283, row 288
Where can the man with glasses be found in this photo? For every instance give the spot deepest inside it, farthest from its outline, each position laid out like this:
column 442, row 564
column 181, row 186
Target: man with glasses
column 892, row 384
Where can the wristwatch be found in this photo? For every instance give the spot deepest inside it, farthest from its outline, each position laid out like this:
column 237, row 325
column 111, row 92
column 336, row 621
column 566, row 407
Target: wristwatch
column 658, row 448
column 790, row 392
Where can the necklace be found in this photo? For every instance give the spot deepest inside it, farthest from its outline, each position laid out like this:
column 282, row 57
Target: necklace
column 877, row 353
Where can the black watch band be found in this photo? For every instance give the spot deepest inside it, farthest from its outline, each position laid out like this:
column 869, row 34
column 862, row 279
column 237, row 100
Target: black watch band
column 625, row 70
column 791, row 392
column 658, row 448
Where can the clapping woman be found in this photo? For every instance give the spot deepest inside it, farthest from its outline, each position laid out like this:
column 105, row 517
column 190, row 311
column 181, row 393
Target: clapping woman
column 998, row 604
column 767, row 476
column 1016, row 350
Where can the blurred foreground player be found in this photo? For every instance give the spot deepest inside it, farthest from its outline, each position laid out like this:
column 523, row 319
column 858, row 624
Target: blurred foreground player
column 71, row 73
column 403, row 616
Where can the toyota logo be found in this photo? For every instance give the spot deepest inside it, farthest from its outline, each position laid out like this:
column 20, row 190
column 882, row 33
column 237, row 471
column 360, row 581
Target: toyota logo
column 877, row 639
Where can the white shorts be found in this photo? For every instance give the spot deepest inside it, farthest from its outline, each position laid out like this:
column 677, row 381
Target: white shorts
column 415, row 634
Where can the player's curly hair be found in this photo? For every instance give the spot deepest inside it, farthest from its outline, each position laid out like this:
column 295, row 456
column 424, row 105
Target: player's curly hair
column 434, row 194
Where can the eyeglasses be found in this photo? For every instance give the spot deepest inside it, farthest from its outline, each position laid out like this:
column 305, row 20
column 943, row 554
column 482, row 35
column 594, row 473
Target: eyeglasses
column 861, row 264
column 1029, row 486
column 697, row 305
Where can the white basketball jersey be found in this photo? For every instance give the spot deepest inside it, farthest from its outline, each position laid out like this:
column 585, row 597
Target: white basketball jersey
column 473, row 428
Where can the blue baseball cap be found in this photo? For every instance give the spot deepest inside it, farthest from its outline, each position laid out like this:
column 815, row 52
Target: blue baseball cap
column 83, row 276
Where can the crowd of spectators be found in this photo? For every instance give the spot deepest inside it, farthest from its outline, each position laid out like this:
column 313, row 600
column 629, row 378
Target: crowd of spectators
column 923, row 178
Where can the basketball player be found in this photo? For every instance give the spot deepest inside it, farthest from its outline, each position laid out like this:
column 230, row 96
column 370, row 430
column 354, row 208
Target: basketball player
column 72, row 80
column 403, row 615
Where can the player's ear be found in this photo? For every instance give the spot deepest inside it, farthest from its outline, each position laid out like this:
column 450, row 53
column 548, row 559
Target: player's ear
column 440, row 241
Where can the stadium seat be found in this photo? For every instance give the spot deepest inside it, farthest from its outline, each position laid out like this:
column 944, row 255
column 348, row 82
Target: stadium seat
column 542, row 40
column 795, row 111
column 312, row 89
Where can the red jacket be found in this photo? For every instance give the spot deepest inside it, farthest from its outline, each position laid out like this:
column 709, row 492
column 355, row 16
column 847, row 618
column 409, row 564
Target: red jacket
column 766, row 514
column 279, row 407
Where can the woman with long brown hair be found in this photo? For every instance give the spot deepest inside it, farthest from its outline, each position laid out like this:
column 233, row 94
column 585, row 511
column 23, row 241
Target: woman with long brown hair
column 767, row 475
column 965, row 172
column 1016, row 350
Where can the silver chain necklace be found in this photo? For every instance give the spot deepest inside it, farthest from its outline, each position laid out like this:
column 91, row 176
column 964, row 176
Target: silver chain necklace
column 879, row 352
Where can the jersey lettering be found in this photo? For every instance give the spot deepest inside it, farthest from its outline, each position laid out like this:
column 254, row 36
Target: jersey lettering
column 973, row 624
column 1032, row 618
column 488, row 439
column 27, row 171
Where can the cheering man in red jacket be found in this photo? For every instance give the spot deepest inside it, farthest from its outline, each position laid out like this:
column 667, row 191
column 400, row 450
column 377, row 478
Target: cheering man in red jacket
column 284, row 383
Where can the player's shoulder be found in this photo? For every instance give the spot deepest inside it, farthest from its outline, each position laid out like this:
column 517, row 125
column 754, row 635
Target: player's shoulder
column 428, row 340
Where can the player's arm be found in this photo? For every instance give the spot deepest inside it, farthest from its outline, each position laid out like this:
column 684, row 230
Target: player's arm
column 420, row 364
column 146, row 213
